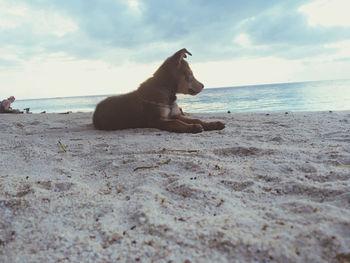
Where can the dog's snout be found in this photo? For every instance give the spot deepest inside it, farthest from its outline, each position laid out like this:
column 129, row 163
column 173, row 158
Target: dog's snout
column 195, row 89
column 199, row 85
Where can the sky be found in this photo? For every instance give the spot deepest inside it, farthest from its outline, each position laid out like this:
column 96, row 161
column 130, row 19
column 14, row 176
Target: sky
column 55, row 48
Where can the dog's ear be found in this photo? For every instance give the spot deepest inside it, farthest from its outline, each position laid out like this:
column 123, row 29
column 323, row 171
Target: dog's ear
column 180, row 55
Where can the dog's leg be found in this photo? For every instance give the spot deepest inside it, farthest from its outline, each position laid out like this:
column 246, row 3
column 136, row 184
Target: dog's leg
column 207, row 126
column 178, row 126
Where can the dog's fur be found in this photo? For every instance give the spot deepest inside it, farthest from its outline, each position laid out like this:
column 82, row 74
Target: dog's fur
column 153, row 104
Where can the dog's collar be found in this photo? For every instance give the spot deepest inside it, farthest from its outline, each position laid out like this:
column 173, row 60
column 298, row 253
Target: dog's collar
column 163, row 105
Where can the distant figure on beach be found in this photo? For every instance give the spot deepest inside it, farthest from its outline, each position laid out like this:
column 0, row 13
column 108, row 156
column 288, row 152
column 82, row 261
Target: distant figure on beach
column 5, row 106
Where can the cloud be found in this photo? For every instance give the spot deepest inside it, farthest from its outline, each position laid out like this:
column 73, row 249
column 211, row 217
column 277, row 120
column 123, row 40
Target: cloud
column 327, row 13
column 7, row 63
column 279, row 26
column 146, row 31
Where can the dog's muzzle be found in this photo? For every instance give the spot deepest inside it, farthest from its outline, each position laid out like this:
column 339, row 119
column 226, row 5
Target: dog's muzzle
column 192, row 92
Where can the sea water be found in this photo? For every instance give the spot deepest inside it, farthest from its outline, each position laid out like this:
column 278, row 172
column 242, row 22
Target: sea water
column 297, row 96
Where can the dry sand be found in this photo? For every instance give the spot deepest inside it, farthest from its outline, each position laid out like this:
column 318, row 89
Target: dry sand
column 268, row 188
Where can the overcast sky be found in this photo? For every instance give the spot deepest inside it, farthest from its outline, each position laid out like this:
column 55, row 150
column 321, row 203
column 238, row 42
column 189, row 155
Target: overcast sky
column 51, row 48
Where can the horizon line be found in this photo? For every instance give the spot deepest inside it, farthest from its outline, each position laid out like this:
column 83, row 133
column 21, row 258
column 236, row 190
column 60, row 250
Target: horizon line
column 223, row 87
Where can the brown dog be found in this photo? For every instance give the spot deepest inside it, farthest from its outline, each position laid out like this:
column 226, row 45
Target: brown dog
column 153, row 104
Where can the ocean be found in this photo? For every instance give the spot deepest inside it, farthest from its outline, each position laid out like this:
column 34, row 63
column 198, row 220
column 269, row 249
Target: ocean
column 296, row 96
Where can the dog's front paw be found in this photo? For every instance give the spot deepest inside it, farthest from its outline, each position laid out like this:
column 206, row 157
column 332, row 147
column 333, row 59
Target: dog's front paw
column 196, row 128
column 215, row 125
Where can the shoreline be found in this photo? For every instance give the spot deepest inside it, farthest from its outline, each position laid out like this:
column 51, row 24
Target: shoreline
column 269, row 187
column 293, row 97
column 223, row 113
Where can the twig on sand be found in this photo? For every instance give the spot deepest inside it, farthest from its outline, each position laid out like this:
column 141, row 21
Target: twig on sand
column 343, row 166
column 179, row 150
column 145, row 167
column 152, row 166
column 62, row 146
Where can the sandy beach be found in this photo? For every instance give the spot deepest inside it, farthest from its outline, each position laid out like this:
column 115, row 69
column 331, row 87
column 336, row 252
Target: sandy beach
column 268, row 188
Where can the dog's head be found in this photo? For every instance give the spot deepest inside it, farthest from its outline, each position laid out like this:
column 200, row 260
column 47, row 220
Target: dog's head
column 183, row 75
